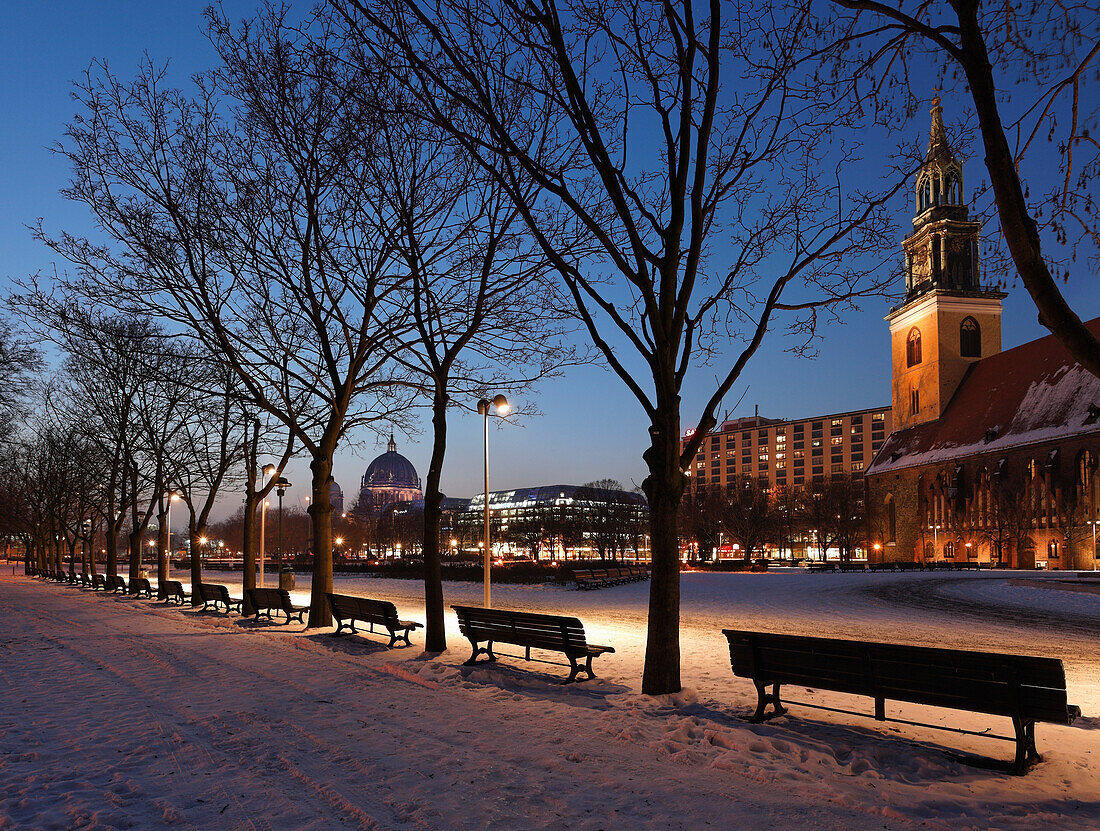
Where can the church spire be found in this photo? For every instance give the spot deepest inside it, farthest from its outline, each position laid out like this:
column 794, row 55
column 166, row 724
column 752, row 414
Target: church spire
column 937, row 137
column 392, row 447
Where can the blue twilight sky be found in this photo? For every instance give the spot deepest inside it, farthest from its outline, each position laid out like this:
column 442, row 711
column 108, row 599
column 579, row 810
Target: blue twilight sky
column 589, row 426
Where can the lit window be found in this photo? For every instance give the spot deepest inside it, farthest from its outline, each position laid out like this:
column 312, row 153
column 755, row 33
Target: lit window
column 838, row 440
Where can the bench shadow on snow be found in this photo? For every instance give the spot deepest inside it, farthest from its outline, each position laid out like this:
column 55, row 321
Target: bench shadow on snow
column 348, row 644
column 519, row 678
column 859, row 748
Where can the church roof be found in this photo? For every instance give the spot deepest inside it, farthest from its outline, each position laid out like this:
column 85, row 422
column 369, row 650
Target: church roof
column 391, row 470
column 1027, row 395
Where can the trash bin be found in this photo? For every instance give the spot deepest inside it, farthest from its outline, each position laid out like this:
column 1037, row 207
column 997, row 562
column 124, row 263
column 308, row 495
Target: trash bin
column 286, row 578
column 144, row 573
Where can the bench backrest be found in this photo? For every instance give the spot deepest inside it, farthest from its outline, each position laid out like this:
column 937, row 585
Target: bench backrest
column 170, row 587
column 140, row 583
column 263, row 598
column 522, row 628
column 985, row 682
column 366, row 609
column 210, row 592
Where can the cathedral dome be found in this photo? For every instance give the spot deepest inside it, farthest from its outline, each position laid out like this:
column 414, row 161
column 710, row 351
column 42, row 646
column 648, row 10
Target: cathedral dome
column 391, row 470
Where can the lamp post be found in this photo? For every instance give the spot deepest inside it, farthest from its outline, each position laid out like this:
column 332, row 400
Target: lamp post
column 172, row 497
column 483, row 407
column 267, row 471
column 1093, row 523
column 935, row 540
column 280, row 488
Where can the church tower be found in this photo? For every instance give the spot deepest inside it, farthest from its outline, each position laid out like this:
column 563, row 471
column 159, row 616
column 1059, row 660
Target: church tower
column 947, row 320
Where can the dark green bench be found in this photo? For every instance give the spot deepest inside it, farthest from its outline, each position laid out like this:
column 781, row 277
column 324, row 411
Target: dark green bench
column 531, row 631
column 215, row 594
column 1024, row 688
column 265, row 601
column 171, row 591
column 348, row 607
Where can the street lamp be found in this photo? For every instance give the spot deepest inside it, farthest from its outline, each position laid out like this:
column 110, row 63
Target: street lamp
column 502, row 408
column 280, row 488
column 202, row 549
column 172, row 497
column 267, row 471
column 935, row 540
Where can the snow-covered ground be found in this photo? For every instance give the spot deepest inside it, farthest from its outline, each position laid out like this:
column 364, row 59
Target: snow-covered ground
column 121, row 713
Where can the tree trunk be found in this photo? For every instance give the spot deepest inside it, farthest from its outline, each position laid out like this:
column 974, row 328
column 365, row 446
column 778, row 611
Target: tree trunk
column 110, row 566
column 194, row 535
column 135, row 552
column 249, row 543
column 664, row 488
column 162, row 547
column 435, row 635
column 320, row 512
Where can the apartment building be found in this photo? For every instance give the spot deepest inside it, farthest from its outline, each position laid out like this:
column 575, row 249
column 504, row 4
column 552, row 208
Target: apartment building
column 791, row 453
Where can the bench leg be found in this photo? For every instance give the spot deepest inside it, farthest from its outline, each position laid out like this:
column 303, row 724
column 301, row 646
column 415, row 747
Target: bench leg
column 576, row 668
column 763, row 699
column 485, row 650
column 1026, row 754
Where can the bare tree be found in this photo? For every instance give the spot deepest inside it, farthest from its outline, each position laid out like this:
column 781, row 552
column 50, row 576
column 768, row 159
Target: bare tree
column 1049, row 53
column 243, row 216
column 655, row 131
column 483, row 315
column 748, row 516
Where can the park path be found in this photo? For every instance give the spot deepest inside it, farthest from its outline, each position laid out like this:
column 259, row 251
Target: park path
column 119, row 713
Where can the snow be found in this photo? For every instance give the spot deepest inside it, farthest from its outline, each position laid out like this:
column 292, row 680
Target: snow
column 122, row 713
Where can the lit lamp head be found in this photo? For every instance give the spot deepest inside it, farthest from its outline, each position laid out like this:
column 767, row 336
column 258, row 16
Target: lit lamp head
column 282, row 485
column 498, row 401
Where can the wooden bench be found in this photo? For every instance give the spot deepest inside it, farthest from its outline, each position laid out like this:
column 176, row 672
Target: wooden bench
column 171, row 591
column 264, row 601
column 529, row 630
column 821, row 566
column 588, row 579
column 99, row 582
column 346, row 607
column 1026, row 689
column 910, row 566
column 114, row 584
column 139, row 587
column 215, row 594
column 853, row 567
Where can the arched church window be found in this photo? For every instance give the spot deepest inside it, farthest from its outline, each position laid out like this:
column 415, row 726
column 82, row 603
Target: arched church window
column 1085, row 466
column 937, row 196
column 891, row 519
column 1033, row 469
column 953, row 191
column 970, row 338
column 912, row 347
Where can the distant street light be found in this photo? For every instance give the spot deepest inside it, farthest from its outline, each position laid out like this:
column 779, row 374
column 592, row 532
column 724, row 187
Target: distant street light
column 280, row 488
column 502, row 408
column 267, row 471
column 172, row 497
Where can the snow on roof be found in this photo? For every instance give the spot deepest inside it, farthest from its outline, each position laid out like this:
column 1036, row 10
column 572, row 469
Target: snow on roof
column 1027, row 395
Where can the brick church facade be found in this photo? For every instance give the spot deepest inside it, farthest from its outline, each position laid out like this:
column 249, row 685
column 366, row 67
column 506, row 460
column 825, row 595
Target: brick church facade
column 994, row 453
